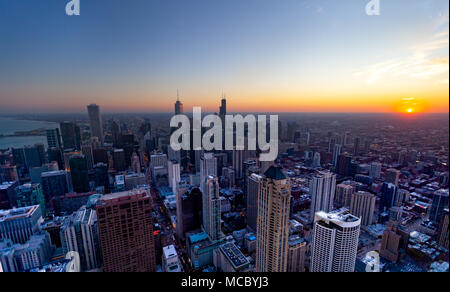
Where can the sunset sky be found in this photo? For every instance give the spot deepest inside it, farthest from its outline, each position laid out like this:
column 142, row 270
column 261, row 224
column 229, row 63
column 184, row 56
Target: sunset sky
column 265, row 55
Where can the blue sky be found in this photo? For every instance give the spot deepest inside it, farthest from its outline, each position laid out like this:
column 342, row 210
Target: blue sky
column 141, row 51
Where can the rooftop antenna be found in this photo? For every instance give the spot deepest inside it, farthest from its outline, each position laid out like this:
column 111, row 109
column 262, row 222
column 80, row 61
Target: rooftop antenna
column 178, row 95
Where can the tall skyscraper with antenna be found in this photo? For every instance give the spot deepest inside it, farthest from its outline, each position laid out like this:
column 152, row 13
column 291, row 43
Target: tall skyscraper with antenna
column 178, row 105
column 223, row 107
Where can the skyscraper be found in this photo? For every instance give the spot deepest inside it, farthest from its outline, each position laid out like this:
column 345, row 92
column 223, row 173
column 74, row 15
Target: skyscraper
column 322, row 189
column 79, row 233
column 71, row 135
column 223, row 107
column 79, row 173
column 55, row 184
column 53, row 138
column 388, row 195
column 174, row 174
column 125, row 228
column 238, row 160
column 189, row 211
column 253, row 186
column 343, row 195
column 272, row 232
column 375, row 170
column 95, row 122
column 363, row 206
column 178, row 106
column 296, row 254
column 211, row 208
column 440, row 203
column 208, row 167
column 18, row 225
column 336, row 152
column 335, row 241
column 392, row 176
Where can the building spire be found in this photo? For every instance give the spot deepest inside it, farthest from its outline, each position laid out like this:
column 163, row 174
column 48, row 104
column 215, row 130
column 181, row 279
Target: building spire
column 178, row 95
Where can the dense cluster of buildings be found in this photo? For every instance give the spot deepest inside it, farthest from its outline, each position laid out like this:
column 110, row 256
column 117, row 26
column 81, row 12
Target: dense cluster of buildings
column 119, row 196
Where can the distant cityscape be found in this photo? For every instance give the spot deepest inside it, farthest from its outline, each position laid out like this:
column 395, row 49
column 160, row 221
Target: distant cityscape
column 347, row 193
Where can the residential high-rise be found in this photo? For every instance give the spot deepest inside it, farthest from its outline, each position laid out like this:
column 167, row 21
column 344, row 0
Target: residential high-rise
column 392, row 241
column 8, row 194
column 253, row 186
column 238, row 160
column 79, row 173
column 174, row 174
column 208, row 167
column 336, row 152
column 392, row 176
column 18, row 225
column 125, row 227
column 95, row 122
column 71, row 135
column 363, row 206
column 119, row 160
column 356, row 144
column 389, row 193
column 440, row 202
column 375, row 170
column 53, row 138
column 296, row 254
column 322, row 189
column 444, row 236
column 335, row 241
column 316, row 160
column 115, row 132
column 272, row 231
column 79, row 233
column 55, row 184
column 211, row 208
column 343, row 195
column 189, row 210
column 28, row 195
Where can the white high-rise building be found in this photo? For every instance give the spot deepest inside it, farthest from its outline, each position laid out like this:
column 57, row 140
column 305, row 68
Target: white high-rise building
column 208, row 167
column 335, row 241
column 322, row 188
column 272, row 230
column 211, row 208
column 174, row 174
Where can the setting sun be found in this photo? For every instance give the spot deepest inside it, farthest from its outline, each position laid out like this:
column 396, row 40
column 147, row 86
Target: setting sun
column 410, row 110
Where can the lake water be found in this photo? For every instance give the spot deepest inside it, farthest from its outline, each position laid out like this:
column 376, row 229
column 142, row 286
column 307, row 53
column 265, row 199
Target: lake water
column 9, row 126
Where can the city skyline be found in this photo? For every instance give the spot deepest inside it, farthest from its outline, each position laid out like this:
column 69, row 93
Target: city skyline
column 298, row 56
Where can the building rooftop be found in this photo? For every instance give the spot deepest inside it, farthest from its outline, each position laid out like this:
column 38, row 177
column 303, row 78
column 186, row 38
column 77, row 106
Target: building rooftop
column 234, row 255
column 169, row 251
column 340, row 217
column 6, row 185
column 13, row 214
column 275, row 172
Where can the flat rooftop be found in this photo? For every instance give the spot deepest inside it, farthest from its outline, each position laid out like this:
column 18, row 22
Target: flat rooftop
column 234, row 255
column 14, row 214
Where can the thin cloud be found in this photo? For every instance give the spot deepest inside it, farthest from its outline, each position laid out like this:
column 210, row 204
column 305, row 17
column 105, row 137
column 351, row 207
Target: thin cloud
column 422, row 63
